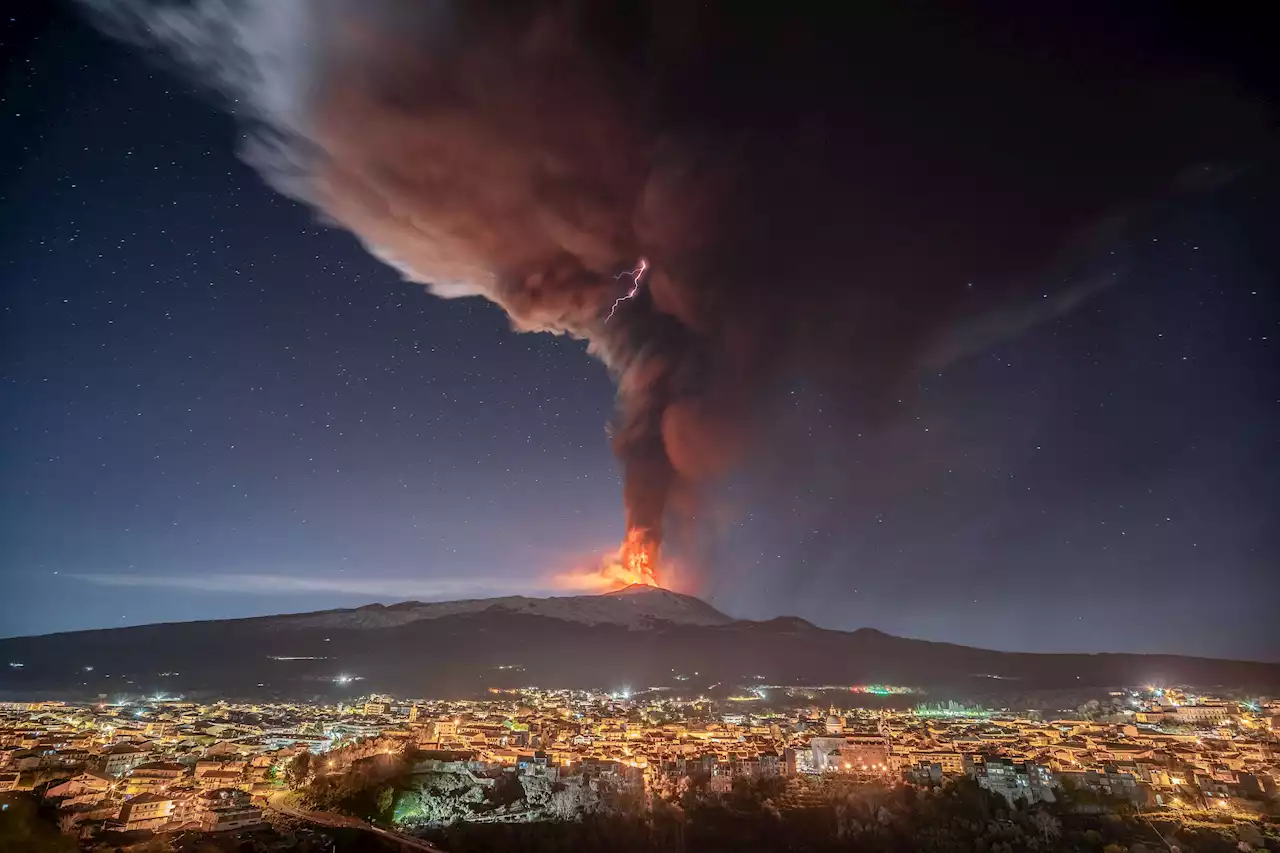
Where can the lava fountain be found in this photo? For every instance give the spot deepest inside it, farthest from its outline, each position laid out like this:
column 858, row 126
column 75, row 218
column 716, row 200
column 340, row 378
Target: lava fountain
column 635, row 562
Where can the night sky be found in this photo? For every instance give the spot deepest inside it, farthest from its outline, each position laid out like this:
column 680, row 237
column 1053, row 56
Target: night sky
column 214, row 405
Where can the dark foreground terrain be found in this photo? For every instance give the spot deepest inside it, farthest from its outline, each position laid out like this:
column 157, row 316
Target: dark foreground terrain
column 641, row 637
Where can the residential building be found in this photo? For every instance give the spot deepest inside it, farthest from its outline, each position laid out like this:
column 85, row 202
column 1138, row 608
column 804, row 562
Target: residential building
column 226, row 809
column 120, row 759
column 1016, row 780
column 146, row 811
column 949, row 763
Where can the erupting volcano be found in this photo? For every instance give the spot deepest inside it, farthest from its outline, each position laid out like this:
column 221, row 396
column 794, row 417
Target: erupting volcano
column 713, row 208
column 636, row 562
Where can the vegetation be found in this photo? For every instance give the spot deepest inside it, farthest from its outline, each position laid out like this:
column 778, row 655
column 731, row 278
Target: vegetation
column 440, row 798
column 535, row 813
column 25, row 826
column 366, row 790
column 838, row 815
column 298, row 769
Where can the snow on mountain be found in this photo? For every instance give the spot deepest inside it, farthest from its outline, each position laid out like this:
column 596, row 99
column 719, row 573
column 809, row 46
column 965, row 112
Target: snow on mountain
column 636, row 606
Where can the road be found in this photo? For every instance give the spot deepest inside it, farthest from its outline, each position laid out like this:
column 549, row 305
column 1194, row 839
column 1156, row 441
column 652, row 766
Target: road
column 276, row 802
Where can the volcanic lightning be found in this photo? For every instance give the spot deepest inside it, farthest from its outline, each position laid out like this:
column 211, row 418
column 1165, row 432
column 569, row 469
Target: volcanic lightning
column 504, row 151
column 636, row 274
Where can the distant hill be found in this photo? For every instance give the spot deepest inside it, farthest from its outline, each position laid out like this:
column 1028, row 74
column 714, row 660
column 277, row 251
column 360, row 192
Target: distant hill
column 636, row 637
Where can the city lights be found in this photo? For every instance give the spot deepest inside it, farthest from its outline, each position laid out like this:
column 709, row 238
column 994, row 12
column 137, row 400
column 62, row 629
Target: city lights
column 651, row 739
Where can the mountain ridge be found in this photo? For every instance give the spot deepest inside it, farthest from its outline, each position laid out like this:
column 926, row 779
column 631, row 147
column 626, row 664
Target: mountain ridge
column 435, row 609
column 635, row 636
column 634, row 606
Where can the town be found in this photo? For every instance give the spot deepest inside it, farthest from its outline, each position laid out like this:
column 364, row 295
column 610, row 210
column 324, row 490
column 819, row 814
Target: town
column 161, row 765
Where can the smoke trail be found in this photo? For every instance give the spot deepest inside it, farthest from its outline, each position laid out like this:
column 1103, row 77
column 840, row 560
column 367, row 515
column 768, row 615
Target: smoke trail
column 793, row 214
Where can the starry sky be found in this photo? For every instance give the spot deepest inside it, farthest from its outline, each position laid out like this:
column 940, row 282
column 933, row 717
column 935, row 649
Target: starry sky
column 214, row 405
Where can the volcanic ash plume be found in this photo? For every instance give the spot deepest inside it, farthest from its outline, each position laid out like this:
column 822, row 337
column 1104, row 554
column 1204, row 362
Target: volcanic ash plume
column 701, row 194
column 479, row 153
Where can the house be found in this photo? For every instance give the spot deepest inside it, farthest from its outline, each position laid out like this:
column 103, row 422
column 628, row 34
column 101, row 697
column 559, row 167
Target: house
column 924, row 773
column 207, row 765
column 86, row 788
column 121, row 758
column 1016, row 780
column 1110, row 780
column 26, row 759
column 950, row 763
column 215, row 779
column 146, row 811
column 153, row 776
column 226, row 809
column 1103, row 751
column 68, row 757
column 158, row 729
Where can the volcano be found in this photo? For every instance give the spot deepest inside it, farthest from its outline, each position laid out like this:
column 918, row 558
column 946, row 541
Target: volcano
column 638, row 636
column 634, row 564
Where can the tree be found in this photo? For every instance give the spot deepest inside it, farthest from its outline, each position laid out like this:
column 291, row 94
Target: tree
column 1048, row 826
column 537, row 790
column 573, row 800
column 669, row 821
column 386, row 799
column 298, row 768
column 446, row 797
column 1249, row 834
column 68, row 823
column 23, row 828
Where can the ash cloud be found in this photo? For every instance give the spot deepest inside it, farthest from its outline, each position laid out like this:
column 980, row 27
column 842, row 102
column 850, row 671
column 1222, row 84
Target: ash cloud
column 813, row 195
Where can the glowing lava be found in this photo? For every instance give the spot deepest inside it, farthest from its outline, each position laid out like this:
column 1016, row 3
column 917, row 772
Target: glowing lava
column 635, row 562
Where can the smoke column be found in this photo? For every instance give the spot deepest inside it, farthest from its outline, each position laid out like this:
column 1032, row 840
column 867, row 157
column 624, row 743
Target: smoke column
column 763, row 166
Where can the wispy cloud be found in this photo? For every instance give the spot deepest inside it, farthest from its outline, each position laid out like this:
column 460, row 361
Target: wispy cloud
column 263, row 584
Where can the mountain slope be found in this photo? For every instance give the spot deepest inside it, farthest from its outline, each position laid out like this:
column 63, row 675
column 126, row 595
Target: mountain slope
column 635, row 607
column 638, row 637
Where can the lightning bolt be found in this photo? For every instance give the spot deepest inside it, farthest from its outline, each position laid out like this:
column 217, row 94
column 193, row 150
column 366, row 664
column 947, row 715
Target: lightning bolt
column 636, row 274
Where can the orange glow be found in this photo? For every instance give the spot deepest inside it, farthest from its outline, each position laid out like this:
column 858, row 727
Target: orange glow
column 635, row 560
column 634, row 563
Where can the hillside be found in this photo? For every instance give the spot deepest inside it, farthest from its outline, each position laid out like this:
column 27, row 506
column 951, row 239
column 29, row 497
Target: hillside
column 637, row 637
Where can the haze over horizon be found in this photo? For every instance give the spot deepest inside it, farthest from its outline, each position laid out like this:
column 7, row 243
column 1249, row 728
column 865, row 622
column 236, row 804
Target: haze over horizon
column 215, row 405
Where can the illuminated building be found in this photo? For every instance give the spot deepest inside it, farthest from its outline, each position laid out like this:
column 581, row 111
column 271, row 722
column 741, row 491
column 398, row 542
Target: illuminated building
column 1015, row 780
column 120, row 759
column 146, row 811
